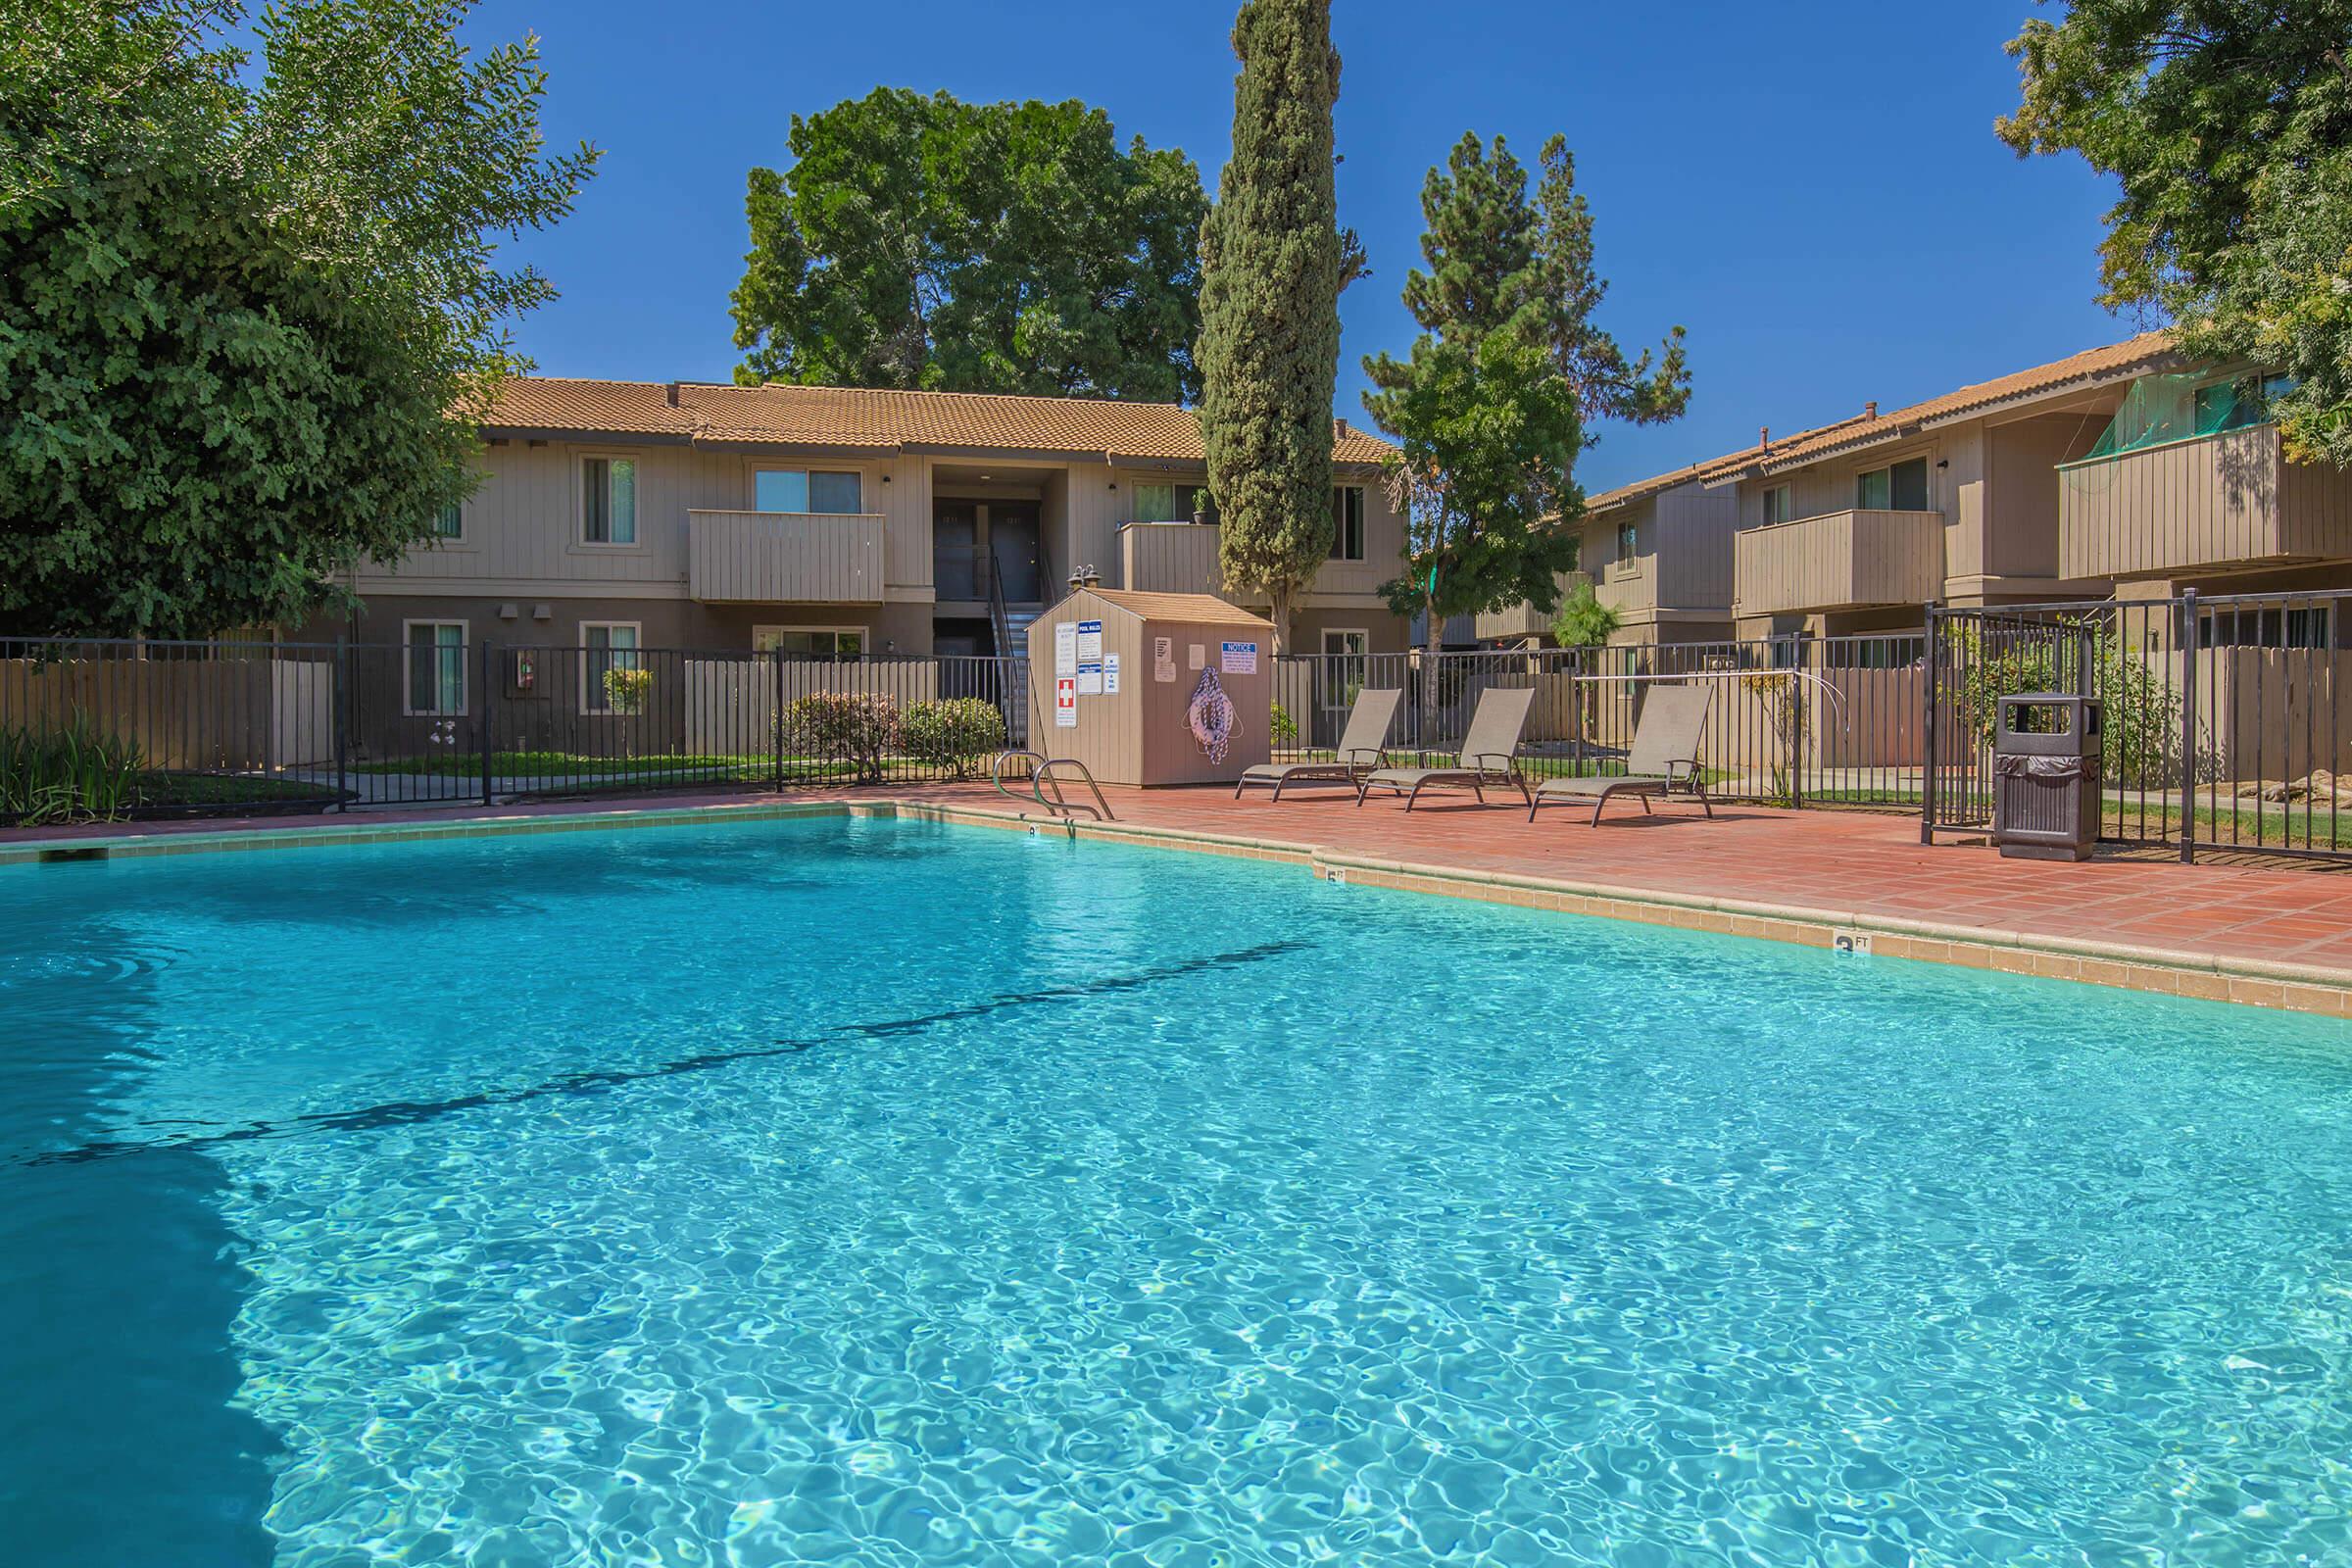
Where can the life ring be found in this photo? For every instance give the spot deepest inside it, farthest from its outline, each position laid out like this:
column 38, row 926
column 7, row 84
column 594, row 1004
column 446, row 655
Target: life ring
column 1211, row 717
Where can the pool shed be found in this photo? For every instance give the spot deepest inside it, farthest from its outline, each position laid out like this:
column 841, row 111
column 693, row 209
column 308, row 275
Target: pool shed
column 1114, row 675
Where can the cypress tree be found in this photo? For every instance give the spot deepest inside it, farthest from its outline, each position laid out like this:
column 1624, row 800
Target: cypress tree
column 1272, row 263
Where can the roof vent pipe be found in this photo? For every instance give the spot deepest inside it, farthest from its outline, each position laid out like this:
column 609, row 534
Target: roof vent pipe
column 1764, row 437
column 670, row 394
column 1870, row 410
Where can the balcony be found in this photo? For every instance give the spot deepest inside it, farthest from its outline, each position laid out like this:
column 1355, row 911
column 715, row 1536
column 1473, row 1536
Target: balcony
column 1524, row 620
column 765, row 558
column 1181, row 557
column 1170, row 557
column 1839, row 561
column 2229, row 500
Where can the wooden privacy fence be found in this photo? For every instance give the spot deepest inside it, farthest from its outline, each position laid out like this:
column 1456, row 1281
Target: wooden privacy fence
column 230, row 714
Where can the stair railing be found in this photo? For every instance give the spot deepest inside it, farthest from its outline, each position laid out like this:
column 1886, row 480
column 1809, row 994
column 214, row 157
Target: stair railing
column 1041, row 774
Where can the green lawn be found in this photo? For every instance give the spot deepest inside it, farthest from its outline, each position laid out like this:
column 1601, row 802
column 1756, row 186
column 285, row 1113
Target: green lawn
column 2221, row 828
column 157, row 788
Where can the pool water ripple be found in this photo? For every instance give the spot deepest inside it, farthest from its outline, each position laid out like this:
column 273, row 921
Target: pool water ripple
column 1434, row 1232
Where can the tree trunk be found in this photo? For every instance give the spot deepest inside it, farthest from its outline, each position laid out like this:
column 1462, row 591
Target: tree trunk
column 1433, row 643
column 1280, row 594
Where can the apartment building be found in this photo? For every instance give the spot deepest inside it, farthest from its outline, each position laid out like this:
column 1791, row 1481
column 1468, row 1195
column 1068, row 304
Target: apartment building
column 838, row 524
column 1659, row 552
column 2126, row 470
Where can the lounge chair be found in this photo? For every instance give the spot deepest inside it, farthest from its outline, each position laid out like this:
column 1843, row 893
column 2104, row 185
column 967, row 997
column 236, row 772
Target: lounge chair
column 1485, row 756
column 1662, row 761
column 1363, row 747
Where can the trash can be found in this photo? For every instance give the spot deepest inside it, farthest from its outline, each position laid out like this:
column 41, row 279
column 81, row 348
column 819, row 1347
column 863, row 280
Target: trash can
column 2046, row 776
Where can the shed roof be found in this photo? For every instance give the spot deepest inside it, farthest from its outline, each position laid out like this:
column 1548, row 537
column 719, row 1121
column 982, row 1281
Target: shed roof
column 1202, row 609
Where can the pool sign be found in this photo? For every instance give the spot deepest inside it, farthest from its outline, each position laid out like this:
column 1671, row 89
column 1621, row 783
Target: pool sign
column 1163, row 659
column 1089, row 642
column 1240, row 659
column 1111, row 674
column 1090, row 677
column 1066, row 702
column 1066, row 650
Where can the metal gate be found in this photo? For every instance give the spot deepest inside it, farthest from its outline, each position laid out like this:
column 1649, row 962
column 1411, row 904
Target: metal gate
column 2226, row 723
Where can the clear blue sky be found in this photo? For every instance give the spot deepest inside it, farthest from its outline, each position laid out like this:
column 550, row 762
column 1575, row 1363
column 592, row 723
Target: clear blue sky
column 1814, row 190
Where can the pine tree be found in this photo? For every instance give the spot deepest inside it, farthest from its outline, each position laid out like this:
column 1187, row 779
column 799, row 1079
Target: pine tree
column 1272, row 263
column 1493, row 406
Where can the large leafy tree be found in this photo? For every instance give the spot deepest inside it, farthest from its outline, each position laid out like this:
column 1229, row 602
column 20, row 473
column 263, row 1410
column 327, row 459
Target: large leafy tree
column 1493, row 404
column 241, row 321
column 1273, row 263
column 922, row 242
column 2229, row 126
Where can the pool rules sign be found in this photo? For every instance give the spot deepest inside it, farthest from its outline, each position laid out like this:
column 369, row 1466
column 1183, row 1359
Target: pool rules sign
column 1065, row 675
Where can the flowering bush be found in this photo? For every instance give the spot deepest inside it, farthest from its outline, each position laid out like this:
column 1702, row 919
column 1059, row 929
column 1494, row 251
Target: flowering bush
column 842, row 727
column 626, row 689
column 954, row 734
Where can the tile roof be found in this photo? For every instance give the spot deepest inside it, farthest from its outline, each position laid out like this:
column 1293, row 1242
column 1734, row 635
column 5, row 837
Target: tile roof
column 777, row 415
column 1712, row 468
column 2089, row 367
column 2093, row 366
column 1201, row 608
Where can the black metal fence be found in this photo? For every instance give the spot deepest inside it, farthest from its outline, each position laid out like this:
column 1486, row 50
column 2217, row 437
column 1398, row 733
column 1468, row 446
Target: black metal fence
column 2227, row 717
column 2224, row 716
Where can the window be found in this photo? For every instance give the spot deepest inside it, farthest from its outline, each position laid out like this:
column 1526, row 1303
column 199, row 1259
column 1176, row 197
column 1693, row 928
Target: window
column 1629, row 540
column 808, row 490
column 832, row 643
column 1345, row 657
column 2236, row 405
column 1901, row 487
column 609, row 501
column 1776, row 504
column 449, row 522
column 1172, row 503
column 433, row 684
column 1348, row 523
column 607, row 646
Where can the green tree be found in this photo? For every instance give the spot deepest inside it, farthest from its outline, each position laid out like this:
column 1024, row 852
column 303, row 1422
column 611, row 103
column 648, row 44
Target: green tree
column 1273, row 260
column 1488, row 433
column 240, row 322
column 2228, row 125
column 1583, row 622
column 1509, row 373
column 922, row 242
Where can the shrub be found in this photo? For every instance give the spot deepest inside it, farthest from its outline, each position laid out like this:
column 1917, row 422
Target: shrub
column 954, row 734
column 76, row 773
column 2142, row 739
column 1285, row 728
column 626, row 689
column 843, row 727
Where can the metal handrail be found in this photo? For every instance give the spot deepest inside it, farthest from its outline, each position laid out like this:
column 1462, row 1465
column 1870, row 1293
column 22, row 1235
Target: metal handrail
column 1041, row 773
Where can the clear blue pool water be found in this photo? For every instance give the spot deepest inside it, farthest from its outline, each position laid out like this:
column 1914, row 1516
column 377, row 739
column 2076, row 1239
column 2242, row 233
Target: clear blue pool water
column 873, row 1193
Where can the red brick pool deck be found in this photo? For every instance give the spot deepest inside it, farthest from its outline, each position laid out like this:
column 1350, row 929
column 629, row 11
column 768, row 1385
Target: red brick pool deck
column 2270, row 934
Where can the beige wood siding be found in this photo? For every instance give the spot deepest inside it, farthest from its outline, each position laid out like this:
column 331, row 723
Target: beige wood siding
column 1170, row 558
column 1695, row 528
column 775, row 557
column 1839, row 561
column 1524, row 620
column 2217, row 500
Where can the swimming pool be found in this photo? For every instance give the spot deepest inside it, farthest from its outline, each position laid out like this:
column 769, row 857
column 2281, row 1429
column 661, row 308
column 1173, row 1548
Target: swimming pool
column 885, row 1192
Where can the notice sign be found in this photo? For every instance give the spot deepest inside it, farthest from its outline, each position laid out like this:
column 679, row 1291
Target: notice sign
column 1111, row 674
column 1066, row 702
column 1066, row 650
column 1195, row 656
column 1240, row 659
column 1089, row 642
column 1090, row 677
column 1163, row 659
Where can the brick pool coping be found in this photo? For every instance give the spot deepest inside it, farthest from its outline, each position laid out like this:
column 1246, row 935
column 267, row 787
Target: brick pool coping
column 1449, row 839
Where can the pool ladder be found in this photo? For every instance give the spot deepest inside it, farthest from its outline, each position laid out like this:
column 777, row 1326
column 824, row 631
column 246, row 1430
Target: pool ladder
column 1041, row 774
